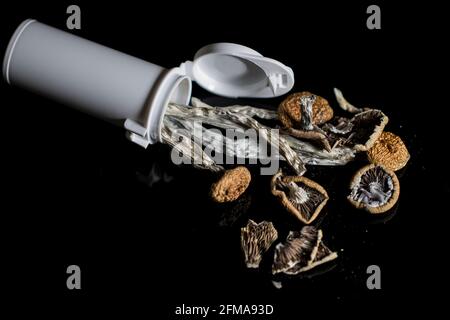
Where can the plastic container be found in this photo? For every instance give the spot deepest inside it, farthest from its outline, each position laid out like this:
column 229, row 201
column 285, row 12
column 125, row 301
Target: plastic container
column 128, row 91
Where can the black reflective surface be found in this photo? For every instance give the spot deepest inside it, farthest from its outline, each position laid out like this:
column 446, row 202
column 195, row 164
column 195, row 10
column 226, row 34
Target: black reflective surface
column 77, row 192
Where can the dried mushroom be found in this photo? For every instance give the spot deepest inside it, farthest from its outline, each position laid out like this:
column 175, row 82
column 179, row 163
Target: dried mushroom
column 362, row 130
column 256, row 239
column 290, row 113
column 389, row 151
column 301, row 252
column 312, row 110
column 231, row 185
column 367, row 128
column 374, row 188
column 301, row 196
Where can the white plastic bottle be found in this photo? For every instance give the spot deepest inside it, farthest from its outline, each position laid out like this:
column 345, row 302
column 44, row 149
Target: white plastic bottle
column 128, row 91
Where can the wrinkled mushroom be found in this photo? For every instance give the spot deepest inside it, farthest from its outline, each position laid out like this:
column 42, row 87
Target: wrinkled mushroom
column 389, row 151
column 231, row 185
column 290, row 113
column 374, row 188
column 256, row 239
column 301, row 252
column 301, row 113
column 301, row 196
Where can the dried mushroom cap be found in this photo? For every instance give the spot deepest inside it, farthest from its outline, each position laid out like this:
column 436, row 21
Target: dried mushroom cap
column 367, row 128
column 374, row 188
column 256, row 239
column 301, row 196
column 389, row 151
column 290, row 113
column 301, row 252
column 297, row 249
column 231, row 185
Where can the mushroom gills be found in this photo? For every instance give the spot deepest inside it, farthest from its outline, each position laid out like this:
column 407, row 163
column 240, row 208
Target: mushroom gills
column 301, row 252
column 304, row 198
column 256, row 239
column 374, row 188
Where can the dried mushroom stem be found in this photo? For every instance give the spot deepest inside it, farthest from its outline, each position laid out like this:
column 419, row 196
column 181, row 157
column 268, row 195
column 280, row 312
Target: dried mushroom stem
column 256, row 239
column 310, row 135
column 306, row 107
column 301, row 196
column 344, row 104
column 181, row 142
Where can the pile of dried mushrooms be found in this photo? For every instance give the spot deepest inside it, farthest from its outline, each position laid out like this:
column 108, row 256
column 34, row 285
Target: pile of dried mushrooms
column 310, row 133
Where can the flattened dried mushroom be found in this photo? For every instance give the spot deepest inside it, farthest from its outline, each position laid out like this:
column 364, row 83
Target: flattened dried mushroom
column 374, row 188
column 301, row 196
column 290, row 113
column 389, row 151
column 367, row 128
column 301, row 252
column 231, row 185
column 256, row 239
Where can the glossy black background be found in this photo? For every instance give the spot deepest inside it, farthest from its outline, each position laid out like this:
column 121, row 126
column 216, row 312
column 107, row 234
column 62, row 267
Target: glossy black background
column 75, row 191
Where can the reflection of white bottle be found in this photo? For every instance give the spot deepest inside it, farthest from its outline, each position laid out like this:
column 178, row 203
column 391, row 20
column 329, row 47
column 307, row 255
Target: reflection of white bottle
column 128, row 91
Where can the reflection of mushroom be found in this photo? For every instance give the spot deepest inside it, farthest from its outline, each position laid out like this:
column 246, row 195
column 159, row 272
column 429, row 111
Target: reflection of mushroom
column 231, row 185
column 374, row 188
column 231, row 212
column 290, row 113
column 301, row 252
column 367, row 128
column 389, row 151
column 301, row 196
column 256, row 239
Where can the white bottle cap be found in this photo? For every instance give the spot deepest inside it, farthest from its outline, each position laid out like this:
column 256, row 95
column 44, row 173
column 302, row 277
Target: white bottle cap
column 233, row 70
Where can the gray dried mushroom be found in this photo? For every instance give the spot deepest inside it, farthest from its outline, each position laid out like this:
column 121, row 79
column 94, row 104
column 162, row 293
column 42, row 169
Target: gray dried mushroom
column 374, row 188
column 301, row 196
column 359, row 132
column 256, row 239
column 301, row 252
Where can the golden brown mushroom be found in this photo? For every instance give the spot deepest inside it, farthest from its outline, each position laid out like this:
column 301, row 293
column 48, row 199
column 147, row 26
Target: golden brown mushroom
column 290, row 114
column 231, row 185
column 389, row 151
